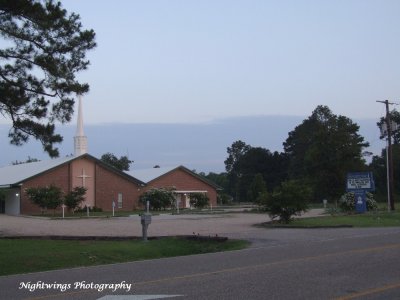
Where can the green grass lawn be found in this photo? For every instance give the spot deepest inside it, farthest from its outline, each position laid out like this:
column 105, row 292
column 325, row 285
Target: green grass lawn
column 371, row 219
column 41, row 255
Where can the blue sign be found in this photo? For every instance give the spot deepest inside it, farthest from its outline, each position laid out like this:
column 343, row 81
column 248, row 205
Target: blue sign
column 360, row 181
column 360, row 198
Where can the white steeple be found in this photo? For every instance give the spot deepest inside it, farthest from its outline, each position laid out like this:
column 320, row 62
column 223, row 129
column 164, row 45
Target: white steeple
column 80, row 140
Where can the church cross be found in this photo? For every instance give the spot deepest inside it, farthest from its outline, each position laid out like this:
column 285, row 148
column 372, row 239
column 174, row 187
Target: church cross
column 83, row 176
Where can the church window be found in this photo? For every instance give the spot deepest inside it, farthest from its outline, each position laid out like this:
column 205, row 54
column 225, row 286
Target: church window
column 119, row 200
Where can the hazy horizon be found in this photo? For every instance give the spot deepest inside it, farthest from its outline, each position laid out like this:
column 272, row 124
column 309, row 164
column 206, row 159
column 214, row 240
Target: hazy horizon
column 199, row 146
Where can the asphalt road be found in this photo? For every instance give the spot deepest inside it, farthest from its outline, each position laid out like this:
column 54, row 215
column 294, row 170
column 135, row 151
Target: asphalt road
column 340, row 264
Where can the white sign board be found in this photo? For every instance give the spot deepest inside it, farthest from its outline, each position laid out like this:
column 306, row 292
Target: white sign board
column 360, row 181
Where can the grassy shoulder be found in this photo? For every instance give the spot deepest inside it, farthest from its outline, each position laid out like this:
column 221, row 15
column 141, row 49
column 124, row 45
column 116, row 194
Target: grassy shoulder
column 370, row 219
column 42, row 255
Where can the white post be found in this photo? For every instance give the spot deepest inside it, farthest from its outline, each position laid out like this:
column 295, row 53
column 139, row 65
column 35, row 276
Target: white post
column 113, row 207
column 63, row 208
column 148, row 206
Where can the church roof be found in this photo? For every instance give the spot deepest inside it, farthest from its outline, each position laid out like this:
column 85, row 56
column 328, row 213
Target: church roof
column 14, row 174
column 148, row 175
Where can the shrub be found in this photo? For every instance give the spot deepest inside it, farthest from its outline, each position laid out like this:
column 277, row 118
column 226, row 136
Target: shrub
column 199, row 200
column 49, row 197
column 288, row 200
column 223, row 198
column 74, row 198
column 262, row 200
column 347, row 202
column 158, row 198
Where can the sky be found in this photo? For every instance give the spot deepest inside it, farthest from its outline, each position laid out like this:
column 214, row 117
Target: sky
column 207, row 61
column 189, row 61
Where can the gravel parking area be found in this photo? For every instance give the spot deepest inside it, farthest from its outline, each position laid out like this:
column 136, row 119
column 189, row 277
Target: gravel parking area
column 162, row 225
column 231, row 225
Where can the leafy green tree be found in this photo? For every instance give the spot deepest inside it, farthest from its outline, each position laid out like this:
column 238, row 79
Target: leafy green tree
column 121, row 163
column 74, row 198
column 378, row 163
column 257, row 187
column 262, row 200
column 256, row 160
column 199, row 200
column 378, row 168
column 323, row 149
column 49, row 197
column 222, row 180
column 159, row 198
column 288, row 200
column 272, row 167
column 43, row 47
column 395, row 118
column 235, row 152
column 223, row 198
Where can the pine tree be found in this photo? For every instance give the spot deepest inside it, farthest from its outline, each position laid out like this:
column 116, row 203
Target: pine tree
column 43, row 48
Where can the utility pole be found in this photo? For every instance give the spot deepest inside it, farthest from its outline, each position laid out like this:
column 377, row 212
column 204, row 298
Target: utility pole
column 389, row 155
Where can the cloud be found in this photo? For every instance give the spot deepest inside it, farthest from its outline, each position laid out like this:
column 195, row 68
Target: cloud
column 197, row 146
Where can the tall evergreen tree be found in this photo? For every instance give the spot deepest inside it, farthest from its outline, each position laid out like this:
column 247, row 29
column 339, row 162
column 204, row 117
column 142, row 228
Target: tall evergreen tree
column 43, row 47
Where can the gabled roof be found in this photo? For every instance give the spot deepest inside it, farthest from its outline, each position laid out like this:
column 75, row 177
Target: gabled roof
column 16, row 174
column 149, row 175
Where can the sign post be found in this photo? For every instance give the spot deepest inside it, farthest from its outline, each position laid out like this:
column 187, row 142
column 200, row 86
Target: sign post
column 360, row 183
column 145, row 220
column 178, row 201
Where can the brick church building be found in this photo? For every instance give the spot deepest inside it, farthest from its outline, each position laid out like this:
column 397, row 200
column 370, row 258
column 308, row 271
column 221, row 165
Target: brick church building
column 105, row 184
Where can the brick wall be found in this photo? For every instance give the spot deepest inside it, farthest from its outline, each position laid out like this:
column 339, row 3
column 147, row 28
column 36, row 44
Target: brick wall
column 109, row 184
column 59, row 177
column 182, row 180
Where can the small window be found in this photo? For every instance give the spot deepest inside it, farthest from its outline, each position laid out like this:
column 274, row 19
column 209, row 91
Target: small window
column 119, row 200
